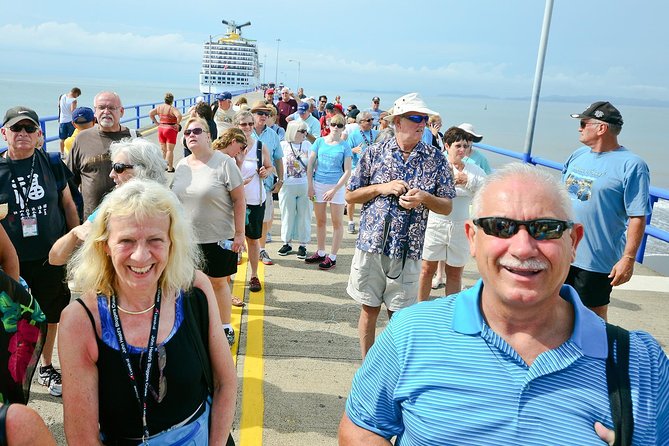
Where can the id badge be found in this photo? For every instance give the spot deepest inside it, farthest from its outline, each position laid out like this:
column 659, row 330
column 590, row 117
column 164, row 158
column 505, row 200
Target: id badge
column 29, row 225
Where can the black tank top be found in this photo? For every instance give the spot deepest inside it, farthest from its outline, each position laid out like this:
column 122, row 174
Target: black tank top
column 119, row 411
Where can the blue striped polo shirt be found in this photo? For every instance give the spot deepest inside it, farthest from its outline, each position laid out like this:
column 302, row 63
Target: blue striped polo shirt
column 439, row 375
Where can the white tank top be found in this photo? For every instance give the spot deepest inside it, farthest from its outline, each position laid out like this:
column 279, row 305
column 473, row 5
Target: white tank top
column 254, row 191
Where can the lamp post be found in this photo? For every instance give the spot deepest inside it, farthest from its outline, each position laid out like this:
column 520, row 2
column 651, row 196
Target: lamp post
column 298, row 72
column 276, row 73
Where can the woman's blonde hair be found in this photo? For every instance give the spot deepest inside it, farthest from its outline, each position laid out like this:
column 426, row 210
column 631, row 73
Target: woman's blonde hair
column 91, row 268
column 338, row 119
column 229, row 136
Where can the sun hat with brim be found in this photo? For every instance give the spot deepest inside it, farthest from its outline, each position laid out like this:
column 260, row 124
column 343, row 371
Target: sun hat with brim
column 408, row 103
column 260, row 106
column 467, row 127
column 18, row 114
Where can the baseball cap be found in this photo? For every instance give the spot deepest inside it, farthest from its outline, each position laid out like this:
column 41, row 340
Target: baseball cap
column 82, row 115
column 376, row 99
column 353, row 113
column 303, row 107
column 269, row 91
column 223, row 96
column 329, row 106
column 602, row 111
column 19, row 113
column 467, row 127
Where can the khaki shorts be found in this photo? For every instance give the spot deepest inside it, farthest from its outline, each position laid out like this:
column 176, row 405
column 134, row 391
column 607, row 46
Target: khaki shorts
column 446, row 240
column 368, row 284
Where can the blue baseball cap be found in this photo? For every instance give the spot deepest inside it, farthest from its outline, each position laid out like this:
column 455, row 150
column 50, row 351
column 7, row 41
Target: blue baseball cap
column 223, row 96
column 82, row 115
column 303, row 107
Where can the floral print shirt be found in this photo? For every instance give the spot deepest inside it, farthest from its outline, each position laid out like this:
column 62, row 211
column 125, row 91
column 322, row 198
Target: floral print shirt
column 426, row 169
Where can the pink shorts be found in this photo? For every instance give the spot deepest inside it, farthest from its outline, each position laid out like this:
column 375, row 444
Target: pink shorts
column 167, row 134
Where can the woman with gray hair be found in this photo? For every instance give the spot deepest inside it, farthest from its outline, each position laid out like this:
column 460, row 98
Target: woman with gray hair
column 131, row 158
column 294, row 199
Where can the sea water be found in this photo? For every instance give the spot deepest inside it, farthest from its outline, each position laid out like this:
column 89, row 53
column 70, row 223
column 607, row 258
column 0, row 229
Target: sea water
column 502, row 122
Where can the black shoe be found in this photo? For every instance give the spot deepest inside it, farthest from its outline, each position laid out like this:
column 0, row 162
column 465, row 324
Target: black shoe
column 302, row 252
column 314, row 258
column 285, row 250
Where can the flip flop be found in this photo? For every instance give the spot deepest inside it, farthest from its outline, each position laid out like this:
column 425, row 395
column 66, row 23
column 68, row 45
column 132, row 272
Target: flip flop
column 237, row 302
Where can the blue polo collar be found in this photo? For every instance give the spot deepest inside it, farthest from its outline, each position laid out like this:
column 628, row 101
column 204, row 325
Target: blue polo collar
column 589, row 331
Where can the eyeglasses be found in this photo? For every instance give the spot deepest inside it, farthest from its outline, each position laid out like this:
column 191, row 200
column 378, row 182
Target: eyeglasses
column 304, row 131
column 262, row 113
column 110, row 108
column 242, row 144
column 120, row 167
column 339, row 126
column 416, row 118
column 367, row 120
column 196, row 131
column 585, row 123
column 29, row 128
column 246, row 124
column 323, row 102
column 539, row 229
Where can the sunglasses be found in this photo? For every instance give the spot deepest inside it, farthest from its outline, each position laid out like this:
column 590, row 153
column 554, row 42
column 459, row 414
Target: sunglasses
column 339, row 126
column 246, row 124
column 416, row 118
column 366, row 120
column 195, row 131
column 303, row 131
column 29, row 128
column 120, row 167
column 586, row 123
column 539, row 229
column 242, row 144
column 262, row 113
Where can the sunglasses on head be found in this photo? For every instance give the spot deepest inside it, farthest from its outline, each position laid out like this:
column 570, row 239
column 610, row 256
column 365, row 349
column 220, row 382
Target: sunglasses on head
column 195, row 131
column 29, row 128
column 539, row 229
column 416, row 118
column 339, row 126
column 120, row 167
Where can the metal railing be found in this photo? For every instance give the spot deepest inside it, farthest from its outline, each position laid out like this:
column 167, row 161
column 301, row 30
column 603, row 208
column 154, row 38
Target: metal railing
column 656, row 193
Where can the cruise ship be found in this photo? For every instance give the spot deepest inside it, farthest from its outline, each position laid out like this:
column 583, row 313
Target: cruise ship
column 230, row 62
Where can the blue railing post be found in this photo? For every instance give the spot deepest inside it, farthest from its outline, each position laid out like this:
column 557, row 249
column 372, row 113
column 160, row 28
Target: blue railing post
column 642, row 247
column 139, row 117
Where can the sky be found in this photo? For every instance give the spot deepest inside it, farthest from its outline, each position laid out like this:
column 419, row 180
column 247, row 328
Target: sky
column 614, row 49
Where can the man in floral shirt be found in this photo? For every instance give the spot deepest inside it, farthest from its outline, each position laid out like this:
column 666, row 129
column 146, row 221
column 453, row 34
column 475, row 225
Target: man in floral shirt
column 397, row 182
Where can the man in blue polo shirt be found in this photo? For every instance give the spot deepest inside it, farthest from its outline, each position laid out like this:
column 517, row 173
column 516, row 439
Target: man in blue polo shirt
column 516, row 359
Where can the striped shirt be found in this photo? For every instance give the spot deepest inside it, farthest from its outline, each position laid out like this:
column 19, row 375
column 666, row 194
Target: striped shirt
column 439, row 375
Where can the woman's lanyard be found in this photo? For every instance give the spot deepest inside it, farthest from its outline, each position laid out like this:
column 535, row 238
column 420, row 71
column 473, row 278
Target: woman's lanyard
column 368, row 143
column 298, row 154
column 150, row 349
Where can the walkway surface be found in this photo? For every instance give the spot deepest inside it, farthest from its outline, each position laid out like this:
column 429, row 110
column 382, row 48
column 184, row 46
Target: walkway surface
column 298, row 345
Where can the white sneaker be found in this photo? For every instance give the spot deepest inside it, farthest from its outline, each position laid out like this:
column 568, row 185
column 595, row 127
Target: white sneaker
column 51, row 378
column 351, row 227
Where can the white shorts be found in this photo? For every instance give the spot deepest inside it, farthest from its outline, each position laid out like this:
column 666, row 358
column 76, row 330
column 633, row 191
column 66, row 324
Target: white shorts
column 369, row 285
column 269, row 208
column 446, row 240
column 321, row 188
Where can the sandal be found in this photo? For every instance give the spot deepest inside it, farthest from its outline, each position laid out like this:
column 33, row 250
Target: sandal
column 237, row 302
column 170, row 170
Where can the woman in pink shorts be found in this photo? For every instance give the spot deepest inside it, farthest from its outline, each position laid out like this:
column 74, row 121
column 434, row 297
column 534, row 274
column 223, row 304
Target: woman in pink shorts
column 168, row 128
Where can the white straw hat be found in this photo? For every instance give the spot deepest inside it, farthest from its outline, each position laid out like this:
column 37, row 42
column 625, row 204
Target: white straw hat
column 411, row 102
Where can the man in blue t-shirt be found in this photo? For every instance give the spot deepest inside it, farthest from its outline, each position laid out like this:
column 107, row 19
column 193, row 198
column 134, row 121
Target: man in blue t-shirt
column 517, row 358
column 609, row 187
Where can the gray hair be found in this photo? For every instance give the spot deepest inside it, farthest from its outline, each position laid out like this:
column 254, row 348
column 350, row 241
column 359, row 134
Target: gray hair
column 529, row 173
column 242, row 114
column 145, row 156
column 292, row 128
column 362, row 116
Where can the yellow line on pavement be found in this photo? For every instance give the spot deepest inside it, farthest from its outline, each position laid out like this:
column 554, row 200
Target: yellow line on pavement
column 253, row 402
column 238, row 288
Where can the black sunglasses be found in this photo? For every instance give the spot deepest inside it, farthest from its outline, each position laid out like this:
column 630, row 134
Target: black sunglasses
column 539, row 229
column 195, row 131
column 303, row 131
column 262, row 113
column 339, row 126
column 29, row 128
column 120, row 167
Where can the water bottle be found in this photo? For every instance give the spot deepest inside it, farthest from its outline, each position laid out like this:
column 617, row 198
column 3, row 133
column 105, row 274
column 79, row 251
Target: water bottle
column 225, row 244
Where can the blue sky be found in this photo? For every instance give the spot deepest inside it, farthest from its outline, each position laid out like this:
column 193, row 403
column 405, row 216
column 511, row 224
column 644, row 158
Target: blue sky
column 613, row 49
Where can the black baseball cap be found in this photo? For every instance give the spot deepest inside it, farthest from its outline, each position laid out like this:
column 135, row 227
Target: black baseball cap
column 602, row 111
column 17, row 114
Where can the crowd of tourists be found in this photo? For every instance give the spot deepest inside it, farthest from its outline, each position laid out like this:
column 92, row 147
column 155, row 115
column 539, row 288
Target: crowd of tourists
column 151, row 257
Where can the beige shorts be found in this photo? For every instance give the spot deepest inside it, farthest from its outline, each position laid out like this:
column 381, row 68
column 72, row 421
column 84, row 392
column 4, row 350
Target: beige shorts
column 269, row 208
column 446, row 240
column 369, row 285
column 321, row 188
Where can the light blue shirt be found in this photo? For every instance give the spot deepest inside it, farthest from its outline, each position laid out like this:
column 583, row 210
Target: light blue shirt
column 356, row 139
column 479, row 159
column 330, row 160
column 427, row 136
column 606, row 188
column 439, row 375
column 273, row 143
